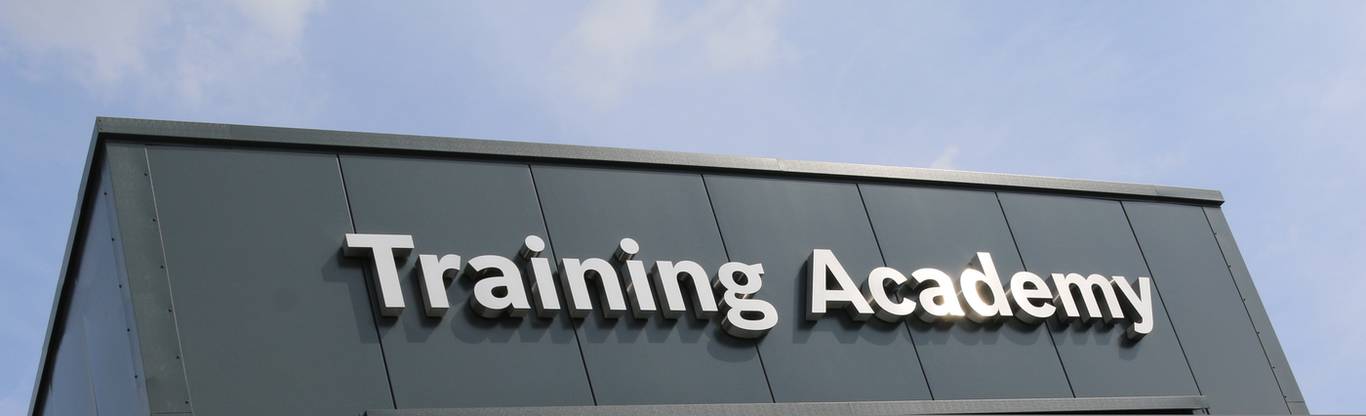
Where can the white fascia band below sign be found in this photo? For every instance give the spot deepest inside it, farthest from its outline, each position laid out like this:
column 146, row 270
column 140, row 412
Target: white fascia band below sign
column 672, row 288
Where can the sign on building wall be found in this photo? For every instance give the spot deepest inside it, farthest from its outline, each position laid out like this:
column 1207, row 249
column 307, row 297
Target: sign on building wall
column 673, row 287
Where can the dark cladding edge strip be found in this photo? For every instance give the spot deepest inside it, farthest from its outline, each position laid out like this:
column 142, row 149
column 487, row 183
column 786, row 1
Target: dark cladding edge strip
column 212, row 132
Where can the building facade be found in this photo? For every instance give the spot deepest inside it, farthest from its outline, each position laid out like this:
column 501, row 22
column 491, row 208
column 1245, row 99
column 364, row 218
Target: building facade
column 230, row 270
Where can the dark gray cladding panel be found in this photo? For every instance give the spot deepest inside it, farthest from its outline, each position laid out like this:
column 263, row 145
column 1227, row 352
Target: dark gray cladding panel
column 778, row 222
column 631, row 361
column 69, row 392
column 272, row 319
column 1216, row 332
column 1057, row 234
column 103, row 318
column 82, row 370
column 462, row 360
column 148, row 285
column 943, row 228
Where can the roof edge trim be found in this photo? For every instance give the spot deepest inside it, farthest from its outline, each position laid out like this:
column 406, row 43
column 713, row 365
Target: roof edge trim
column 234, row 133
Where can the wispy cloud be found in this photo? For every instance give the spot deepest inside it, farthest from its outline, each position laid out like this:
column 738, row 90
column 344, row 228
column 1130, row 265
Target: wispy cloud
column 600, row 59
column 197, row 53
column 738, row 36
column 102, row 42
column 946, row 158
column 617, row 45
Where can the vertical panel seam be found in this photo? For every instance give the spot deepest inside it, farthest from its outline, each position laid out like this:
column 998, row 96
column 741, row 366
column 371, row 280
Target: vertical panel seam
column 720, row 233
column 166, row 274
column 1157, row 291
column 125, row 287
column 906, row 325
column 1270, row 365
column 1020, row 253
column 350, row 217
column 550, row 242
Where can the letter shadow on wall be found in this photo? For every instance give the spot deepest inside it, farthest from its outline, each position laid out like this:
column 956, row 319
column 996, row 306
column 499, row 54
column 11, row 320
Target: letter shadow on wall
column 656, row 329
column 1099, row 332
column 359, row 287
column 966, row 332
column 500, row 329
column 847, row 330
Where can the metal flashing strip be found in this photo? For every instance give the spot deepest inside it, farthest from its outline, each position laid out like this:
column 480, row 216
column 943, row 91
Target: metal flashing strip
column 1093, row 404
column 145, row 269
column 232, row 133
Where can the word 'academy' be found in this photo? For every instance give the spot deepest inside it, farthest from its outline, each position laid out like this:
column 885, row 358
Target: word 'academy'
column 978, row 294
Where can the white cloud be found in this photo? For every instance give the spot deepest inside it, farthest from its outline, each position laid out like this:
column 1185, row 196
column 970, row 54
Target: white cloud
column 739, row 35
column 157, row 49
column 946, row 158
column 282, row 19
column 106, row 40
column 617, row 45
column 243, row 59
column 601, row 55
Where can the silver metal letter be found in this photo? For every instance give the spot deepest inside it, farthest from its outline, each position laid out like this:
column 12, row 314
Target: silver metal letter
column 846, row 295
column 543, row 295
column 981, row 271
column 1140, row 304
column 496, row 293
column 882, row 283
column 1025, row 288
column 1065, row 286
column 668, row 278
column 638, row 282
column 575, row 275
column 626, row 250
column 383, row 248
column 737, row 299
column 532, row 246
column 547, row 300
column 435, row 272
column 938, row 299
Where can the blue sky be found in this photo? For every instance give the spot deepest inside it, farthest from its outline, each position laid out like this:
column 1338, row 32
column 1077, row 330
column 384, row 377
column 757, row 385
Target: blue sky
column 1265, row 101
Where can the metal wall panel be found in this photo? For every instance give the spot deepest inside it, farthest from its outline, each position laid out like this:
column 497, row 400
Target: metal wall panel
column 778, row 222
column 108, row 331
column 272, row 319
column 69, row 391
column 96, row 358
column 1207, row 313
column 944, row 228
column 1057, row 234
column 149, row 286
column 463, row 360
column 685, row 360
